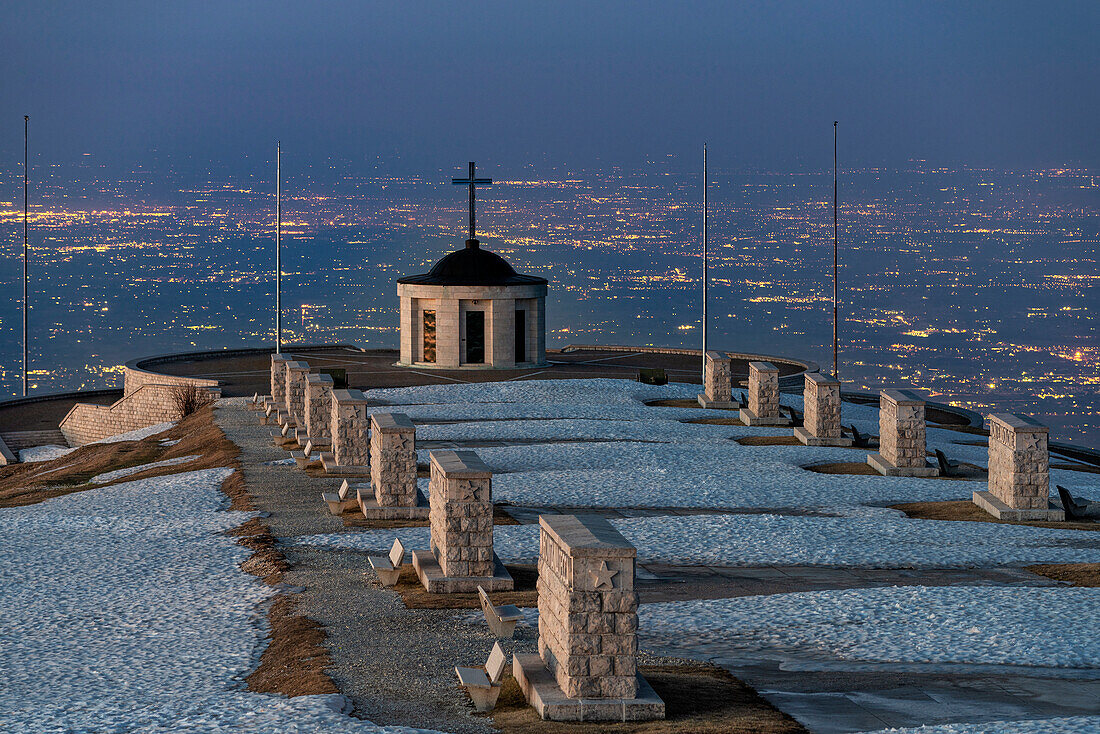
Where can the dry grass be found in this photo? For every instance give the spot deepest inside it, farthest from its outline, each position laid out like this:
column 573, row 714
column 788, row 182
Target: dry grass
column 769, row 441
column 965, row 510
column 294, row 662
column 27, row 484
column 699, row 699
column 265, row 562
column 1076, row 574
column 415, row 597
column 189, row 399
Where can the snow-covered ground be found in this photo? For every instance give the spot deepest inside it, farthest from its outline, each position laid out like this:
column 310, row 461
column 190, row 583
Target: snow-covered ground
column 636, row 455
column 124, row 610
column 912, row 624
column 871, row 537
column 1061, row 725
column 117, row 474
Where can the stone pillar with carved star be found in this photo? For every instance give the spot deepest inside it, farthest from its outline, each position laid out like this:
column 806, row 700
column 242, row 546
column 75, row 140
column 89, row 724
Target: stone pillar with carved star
column 461, row 515
column 588, row 610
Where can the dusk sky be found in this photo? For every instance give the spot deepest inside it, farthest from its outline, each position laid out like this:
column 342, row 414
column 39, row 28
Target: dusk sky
column 1003, row 84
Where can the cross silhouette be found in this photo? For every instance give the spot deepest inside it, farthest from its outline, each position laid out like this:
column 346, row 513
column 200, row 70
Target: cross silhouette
column 471, row 181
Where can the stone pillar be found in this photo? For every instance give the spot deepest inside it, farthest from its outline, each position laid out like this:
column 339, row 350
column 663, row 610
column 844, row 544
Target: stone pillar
column 901, row 443
column 586, row 669
column 296, row 391
column 319, row 409
column 763, row 407
column 278, row 380
column 717, row 381
column 1019, row 470
column 350, row 450
column 461, row 519
column 448, row 344
column 393, row 492
column 501, row 336
column 821, row 412
column 410, row 350
column 539, row 327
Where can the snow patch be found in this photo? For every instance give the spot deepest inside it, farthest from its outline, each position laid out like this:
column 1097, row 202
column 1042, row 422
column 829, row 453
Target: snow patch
column 48, row 452
column 120, row 473
column 124, row 610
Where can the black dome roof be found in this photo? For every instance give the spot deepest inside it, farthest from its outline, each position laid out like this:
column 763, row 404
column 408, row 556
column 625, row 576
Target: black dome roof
column 472, row 266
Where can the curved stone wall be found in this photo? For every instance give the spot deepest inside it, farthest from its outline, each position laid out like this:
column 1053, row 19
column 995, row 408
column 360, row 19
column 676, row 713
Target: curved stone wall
column 147, row 399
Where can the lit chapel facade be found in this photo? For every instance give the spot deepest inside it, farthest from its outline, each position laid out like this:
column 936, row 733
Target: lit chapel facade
column 472, row 310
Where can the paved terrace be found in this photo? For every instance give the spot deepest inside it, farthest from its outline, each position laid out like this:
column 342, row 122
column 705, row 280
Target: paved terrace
column 245, row 374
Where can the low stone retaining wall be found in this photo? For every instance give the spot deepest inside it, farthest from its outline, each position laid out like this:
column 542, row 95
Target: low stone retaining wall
column 148, row 399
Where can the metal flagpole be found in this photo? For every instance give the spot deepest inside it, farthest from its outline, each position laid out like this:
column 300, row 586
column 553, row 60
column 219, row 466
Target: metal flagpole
column 26, row 125
column 278, row 247
column 836, row 374
column 704, row 261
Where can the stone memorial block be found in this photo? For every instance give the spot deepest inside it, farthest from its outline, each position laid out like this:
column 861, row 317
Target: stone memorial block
column 461, row 518
column 296, row 373
column 586, row 668
column 392, row 492
column 348, row 426
column 901, row 445
column 1019, row 470
column 278, row 379
column 821, row 412
column 276, row 407
column 763, row 407
column 318, row 409
column 717, row 382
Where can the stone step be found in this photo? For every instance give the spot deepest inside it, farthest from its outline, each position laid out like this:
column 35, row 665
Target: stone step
column 19, row 440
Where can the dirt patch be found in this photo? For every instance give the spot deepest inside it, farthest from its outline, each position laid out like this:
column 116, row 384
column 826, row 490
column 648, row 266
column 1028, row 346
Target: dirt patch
column 355, row 519
column 769, row 441
column 678, row 403
column 415, row 597
column 295, row 660
column 699, row 698
column 28, row 484
column 843, row 467
column 715, row 421
column 1076, row 467
column 501, row 516
column 1077, row 574
column 968, row 511
column 317, row 469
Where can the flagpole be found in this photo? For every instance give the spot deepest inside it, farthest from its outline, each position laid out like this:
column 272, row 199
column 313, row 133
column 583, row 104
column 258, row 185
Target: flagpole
column 26, row 125
column 705, row 275
column 836, row 373
column 278, row 247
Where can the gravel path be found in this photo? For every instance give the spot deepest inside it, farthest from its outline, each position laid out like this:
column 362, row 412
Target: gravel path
column 395, row 664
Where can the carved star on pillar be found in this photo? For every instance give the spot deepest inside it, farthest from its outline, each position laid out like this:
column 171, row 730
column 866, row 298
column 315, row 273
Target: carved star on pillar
column 601, row 577
column 467, row 494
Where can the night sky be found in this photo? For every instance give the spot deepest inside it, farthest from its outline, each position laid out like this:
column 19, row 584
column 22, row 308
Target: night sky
column 1004, row 84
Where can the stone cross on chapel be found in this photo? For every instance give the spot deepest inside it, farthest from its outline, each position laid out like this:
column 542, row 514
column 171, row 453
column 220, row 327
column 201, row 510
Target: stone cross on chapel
column 472, row 182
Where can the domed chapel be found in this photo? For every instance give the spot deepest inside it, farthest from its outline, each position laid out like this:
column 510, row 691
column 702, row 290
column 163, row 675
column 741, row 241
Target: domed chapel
column 472, row 310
